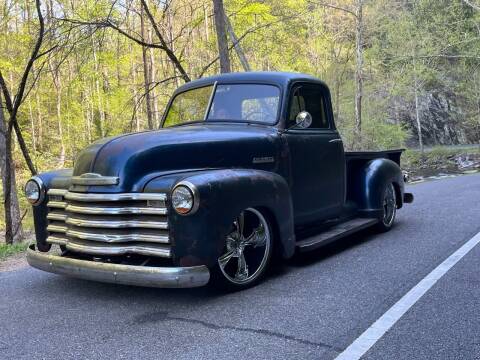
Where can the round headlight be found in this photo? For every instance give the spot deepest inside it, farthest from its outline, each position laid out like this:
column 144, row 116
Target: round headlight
column 185, row 198
column 34, row 191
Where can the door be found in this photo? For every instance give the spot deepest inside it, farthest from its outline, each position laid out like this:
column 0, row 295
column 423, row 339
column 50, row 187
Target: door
column 317, row 160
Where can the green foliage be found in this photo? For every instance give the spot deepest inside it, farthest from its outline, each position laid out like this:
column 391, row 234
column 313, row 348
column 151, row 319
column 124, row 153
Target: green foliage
column 100, row 73
column 9, row 250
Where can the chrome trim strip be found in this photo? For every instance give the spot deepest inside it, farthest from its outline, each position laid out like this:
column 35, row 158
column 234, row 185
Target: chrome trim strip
column 57, row 192
column 173, row 277
column 115, row 210
column 57, row 228
column 94, row 179
column 115, row 238
column 117, row 224
column 56, row 216
column 99, row 249
column 57, row 204
column 115, row 196
column 335, row 140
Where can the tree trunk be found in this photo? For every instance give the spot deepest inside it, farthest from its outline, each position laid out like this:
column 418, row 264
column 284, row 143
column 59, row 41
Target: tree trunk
column 13, row 219
column 40, row 120
column 359, row 67
column 220, row 26
column 153, row 79
column 101, row 120
column 146, row 75
column 237, row 46
column 58, row 106
column 417, row 109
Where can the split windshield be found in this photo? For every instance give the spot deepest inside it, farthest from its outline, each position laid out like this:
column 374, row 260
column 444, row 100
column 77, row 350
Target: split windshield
column 230, row 102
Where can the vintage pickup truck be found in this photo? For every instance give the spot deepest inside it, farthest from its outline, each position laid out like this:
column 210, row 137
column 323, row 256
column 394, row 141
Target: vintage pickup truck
column 246, row 167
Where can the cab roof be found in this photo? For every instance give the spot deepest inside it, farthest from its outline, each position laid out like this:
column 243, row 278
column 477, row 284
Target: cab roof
column 281, row 79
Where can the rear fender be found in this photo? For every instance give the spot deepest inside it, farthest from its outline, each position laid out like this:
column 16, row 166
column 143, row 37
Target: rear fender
column 369, row 184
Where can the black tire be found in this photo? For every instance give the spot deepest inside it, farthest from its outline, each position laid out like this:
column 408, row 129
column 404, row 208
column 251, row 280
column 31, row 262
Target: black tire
column 389, row 207
column 251, row 239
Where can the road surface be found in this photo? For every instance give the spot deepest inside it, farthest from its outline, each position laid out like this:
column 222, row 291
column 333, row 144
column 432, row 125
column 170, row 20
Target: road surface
column 313, row 307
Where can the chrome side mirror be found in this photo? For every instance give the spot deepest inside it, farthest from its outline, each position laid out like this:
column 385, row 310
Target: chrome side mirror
column 303, row 120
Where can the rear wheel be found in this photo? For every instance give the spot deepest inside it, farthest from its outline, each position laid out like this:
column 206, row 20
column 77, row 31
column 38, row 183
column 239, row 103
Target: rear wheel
column 389, row 209
column 247, row 252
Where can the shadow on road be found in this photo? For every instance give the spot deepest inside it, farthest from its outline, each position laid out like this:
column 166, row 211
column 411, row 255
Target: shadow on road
column 77, row 288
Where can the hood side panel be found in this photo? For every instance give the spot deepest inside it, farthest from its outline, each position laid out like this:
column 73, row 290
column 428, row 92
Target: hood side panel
column 133, row 157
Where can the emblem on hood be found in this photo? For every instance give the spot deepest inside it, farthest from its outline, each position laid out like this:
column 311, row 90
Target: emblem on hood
column 94, row 179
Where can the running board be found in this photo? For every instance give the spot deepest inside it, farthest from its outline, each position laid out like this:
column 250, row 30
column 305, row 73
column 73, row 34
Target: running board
column 334, row 233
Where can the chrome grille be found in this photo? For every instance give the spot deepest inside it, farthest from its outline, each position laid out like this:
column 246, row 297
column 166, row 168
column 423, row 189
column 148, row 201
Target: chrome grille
column 109, row 224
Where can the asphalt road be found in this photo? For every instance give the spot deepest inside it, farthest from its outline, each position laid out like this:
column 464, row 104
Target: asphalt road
column 311, row 308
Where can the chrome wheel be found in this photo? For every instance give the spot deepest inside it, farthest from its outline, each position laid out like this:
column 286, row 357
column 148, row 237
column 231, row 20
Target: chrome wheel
column 247, row 248
column 389, row 206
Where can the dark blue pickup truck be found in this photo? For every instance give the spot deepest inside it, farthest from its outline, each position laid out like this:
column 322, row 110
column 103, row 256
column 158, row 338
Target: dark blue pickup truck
column 246, row 167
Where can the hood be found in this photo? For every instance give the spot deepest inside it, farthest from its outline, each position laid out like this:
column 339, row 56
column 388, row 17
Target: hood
column 136, row 158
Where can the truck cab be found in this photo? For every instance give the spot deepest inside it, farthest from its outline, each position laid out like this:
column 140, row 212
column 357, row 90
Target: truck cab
column 245, row 167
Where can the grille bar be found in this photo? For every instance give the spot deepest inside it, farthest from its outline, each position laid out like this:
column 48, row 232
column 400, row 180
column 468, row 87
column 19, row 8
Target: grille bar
column 99, row 249
column 57, row 240
column 57, row 216
column 115, row 197
column 115, row 210
column 57, row 204
column 116, row 238
column 121, row 224
column 57, row 228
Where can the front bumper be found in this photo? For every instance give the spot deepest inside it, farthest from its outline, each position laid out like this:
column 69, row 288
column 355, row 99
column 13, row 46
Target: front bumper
column 149, row 276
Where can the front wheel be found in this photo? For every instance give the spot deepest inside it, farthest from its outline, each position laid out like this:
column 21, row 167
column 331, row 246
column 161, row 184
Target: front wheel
column 389, row 209
column 247, row 252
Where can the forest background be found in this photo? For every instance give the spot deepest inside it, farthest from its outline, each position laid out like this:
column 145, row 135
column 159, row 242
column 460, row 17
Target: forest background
column 402, row 73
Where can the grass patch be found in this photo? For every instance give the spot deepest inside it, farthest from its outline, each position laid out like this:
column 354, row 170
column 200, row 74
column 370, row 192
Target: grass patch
column 9, row 250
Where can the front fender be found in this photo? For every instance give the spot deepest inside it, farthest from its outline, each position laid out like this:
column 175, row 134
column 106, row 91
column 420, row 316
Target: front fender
column 199, row 238
column 59, row 179
column 370, row 183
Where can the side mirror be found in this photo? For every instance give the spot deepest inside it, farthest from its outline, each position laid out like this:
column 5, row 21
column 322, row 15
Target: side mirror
column 303, row 120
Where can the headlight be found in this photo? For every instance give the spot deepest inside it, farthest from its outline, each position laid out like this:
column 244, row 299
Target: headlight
column 185, row 198
column 34, row 190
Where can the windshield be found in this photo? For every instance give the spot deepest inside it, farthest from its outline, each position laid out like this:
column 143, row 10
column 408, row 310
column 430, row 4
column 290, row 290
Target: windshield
column 234, row 102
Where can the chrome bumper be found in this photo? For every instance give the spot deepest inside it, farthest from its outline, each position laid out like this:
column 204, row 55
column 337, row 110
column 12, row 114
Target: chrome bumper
column 163, row 277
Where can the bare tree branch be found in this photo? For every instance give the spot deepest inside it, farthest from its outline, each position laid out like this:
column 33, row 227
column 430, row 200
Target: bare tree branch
column 336, row 7
column 21, row 89
column 474, row 6
column 171, row 55
column 108, row 24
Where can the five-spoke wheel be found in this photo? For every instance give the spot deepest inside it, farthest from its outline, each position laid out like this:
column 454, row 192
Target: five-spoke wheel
column 247, row 250
column 389, row 208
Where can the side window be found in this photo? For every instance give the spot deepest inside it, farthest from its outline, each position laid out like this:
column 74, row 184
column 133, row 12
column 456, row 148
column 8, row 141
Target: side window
column 309, row 98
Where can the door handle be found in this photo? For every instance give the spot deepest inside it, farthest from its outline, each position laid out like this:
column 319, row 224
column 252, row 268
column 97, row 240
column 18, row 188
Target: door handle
column 335, row 140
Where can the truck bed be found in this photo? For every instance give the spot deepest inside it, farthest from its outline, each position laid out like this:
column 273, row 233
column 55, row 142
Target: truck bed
column 362, row 156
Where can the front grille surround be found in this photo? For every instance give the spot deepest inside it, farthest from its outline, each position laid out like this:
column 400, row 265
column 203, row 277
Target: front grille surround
column 109, row 224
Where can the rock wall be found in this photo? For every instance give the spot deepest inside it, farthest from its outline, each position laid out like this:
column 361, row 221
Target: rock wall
column 443, row 121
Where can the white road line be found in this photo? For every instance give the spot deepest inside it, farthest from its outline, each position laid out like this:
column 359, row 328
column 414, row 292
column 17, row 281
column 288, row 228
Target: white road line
column 375, row 332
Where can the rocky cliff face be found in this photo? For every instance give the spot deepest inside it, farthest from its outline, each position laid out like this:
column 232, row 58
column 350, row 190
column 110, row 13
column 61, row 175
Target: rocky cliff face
column 442, row 120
